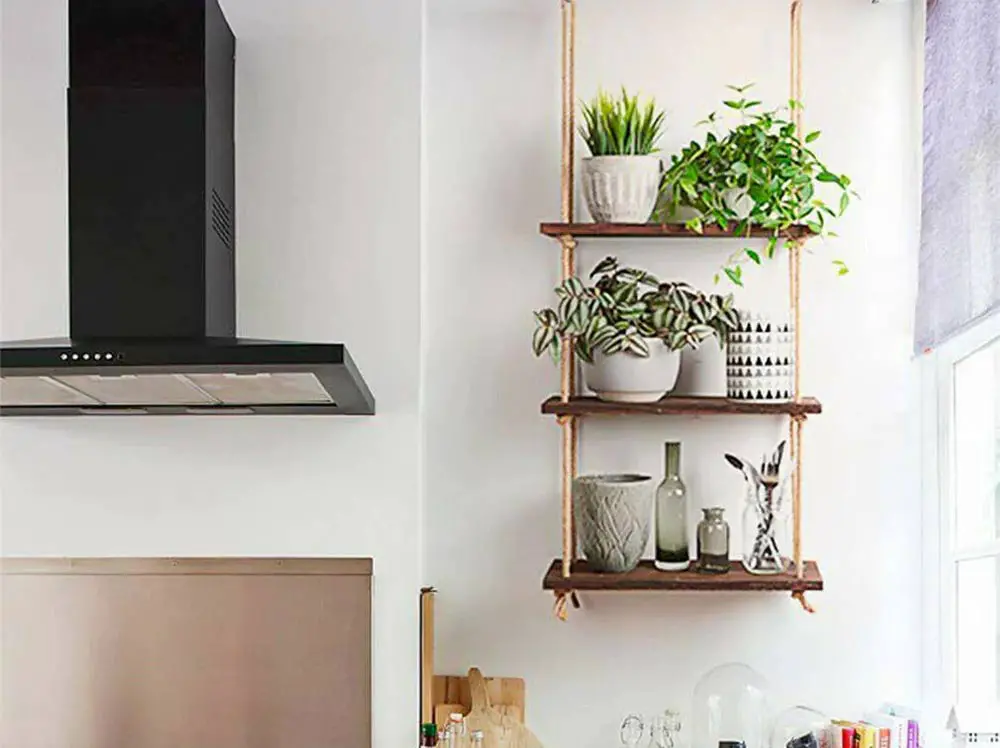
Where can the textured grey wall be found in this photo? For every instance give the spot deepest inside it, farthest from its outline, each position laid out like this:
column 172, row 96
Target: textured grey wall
column 960, row 246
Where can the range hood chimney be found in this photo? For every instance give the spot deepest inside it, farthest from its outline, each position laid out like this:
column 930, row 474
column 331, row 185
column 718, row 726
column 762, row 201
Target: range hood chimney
column 152, row 237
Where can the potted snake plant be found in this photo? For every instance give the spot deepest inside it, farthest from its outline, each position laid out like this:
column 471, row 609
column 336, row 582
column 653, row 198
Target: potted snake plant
column 621, row 177
column 629, row 328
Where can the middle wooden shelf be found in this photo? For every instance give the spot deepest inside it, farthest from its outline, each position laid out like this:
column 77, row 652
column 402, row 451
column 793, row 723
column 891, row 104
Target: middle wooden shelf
column 676, row 405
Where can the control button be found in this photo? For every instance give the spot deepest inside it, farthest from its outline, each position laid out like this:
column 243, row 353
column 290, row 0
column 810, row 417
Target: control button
column 108, row 356
column 64, row 357
column 76, row 356
column 86, row 356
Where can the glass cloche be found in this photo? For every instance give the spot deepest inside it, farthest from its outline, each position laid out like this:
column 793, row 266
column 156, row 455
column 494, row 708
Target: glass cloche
column 731, row 708
column 801, row 727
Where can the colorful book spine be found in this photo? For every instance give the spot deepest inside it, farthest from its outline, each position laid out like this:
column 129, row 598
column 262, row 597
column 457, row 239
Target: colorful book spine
column 912, row 734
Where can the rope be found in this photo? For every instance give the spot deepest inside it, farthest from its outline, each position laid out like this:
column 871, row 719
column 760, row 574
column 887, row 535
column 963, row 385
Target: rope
column 795, row 294
column 801, row 597
column 568, row 106
column 567, row 497
column 560, row 606
column 567, row 385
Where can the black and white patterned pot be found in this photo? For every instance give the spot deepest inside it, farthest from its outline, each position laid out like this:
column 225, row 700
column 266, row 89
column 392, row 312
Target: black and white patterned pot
column 760, row 365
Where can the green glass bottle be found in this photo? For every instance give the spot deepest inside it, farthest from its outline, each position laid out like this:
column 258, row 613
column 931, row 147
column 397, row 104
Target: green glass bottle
column 672, row 548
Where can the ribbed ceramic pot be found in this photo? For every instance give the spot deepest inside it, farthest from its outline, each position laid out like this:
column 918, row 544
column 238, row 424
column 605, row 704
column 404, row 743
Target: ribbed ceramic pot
column 621, row 189
column 613, row 514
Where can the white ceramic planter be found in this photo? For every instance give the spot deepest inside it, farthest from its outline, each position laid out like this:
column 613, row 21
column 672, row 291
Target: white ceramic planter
column 739, row 202
column 626, row 378
column 621, row 189
column 703, row 371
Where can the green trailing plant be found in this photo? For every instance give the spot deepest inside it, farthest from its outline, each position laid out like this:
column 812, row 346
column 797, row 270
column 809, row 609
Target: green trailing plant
column 624, row 310
column 761, row 163
column 620, row 126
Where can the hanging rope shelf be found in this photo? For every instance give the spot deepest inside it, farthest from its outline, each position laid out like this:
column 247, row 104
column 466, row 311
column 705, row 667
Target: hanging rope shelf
column 568, row 576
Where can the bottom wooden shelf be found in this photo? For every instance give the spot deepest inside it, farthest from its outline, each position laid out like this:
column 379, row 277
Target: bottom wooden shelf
column 648, row 578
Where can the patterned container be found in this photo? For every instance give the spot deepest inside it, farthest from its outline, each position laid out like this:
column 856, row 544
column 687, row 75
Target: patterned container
column 760, row 363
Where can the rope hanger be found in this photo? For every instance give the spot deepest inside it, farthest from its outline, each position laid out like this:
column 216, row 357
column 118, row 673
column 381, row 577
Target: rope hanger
column 569, row 425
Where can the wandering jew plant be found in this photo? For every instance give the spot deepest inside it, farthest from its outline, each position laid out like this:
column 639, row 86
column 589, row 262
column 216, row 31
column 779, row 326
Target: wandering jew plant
column 761, row 164
column 625, row 309
column 620, row 127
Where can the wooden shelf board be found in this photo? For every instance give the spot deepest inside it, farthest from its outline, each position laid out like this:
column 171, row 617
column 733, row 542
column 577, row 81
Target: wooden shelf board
column 662, row 231
column 648, row 578
column 669, row 406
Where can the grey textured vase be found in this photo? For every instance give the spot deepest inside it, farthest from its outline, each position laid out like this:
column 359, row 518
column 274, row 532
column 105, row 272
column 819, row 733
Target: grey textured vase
column 613, row 516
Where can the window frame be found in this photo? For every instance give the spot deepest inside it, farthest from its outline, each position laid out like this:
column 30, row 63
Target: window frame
column 939, row 677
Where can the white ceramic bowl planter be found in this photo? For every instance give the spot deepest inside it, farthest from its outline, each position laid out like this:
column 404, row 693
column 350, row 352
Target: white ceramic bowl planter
column 621, row 189
column 627, row 378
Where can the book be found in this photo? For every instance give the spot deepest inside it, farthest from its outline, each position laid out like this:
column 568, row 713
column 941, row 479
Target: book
column 912, row 718
column 850, row 735
column 897, row 727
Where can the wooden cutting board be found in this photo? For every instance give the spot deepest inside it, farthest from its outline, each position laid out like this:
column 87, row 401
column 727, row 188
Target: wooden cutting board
column 499, row 730
column 453, row 693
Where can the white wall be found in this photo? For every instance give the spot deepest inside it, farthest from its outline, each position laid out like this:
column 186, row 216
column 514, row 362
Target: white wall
column 328, row 118
column 492, row 462
column 329, row 206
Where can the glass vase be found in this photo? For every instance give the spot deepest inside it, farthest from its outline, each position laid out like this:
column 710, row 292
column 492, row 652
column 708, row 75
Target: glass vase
column 713, row 542
column 766, row 542
column 672, row 549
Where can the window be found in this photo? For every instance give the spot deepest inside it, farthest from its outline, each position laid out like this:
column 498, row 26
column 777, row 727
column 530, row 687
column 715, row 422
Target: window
column 963, row 445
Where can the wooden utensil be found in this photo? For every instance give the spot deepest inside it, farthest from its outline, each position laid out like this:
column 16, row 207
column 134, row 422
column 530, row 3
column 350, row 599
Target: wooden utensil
column 499, row 730
column 454, row 693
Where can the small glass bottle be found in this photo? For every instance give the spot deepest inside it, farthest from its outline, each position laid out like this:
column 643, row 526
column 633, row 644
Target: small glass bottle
column 476, row 738
column 713, row 542
column 455, row 731
column 672, row 549
column 428, row 735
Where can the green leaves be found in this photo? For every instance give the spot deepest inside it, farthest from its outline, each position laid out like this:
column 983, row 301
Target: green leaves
column 757, row 175
column 624, row 310
column 622, row 126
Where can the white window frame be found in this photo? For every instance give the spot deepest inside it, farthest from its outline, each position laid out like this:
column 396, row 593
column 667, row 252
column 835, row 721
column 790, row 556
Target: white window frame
column 938, row 488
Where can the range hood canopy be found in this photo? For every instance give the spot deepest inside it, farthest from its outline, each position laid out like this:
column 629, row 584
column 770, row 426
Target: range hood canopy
column 152, row 235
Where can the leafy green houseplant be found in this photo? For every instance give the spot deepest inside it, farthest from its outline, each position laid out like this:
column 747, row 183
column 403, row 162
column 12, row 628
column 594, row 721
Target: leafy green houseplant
column 758, row 174
column 631, row 327
column 621, row 176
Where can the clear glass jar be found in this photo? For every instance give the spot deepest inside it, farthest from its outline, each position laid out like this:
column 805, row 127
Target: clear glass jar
column 765, row 528
column 672, row 548
column 730, row 708
column 713, row 542
column 801, row 727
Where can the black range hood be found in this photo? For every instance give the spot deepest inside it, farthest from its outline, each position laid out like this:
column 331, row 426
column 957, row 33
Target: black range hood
column 152, row 238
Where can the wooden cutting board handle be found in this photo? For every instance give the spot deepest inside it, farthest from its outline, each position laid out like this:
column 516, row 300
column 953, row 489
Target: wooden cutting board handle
column 477, row 686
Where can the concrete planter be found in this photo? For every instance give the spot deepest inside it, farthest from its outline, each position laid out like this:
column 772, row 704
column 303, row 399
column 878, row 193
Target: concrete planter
column 613, row 515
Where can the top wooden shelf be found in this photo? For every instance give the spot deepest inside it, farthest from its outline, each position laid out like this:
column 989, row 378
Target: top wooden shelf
column 662, row 231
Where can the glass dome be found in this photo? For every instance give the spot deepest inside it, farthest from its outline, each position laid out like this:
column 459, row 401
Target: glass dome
column 801, row 727
column 731, row 708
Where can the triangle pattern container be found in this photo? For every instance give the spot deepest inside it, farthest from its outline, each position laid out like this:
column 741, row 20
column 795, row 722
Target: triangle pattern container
column 760, row 361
